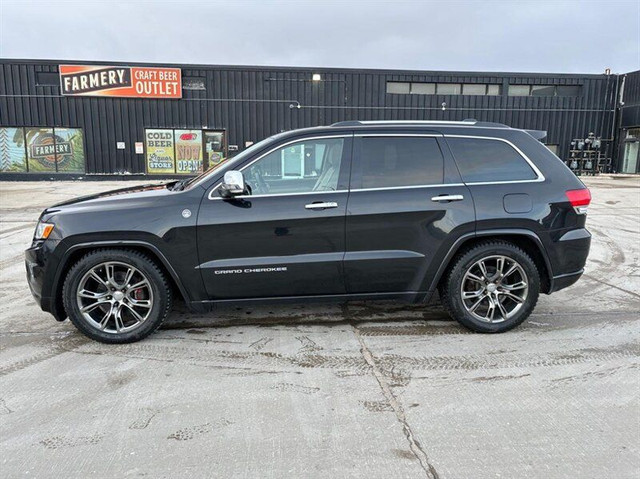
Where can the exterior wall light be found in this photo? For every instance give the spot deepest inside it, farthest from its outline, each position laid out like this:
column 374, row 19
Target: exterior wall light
column 316, row 77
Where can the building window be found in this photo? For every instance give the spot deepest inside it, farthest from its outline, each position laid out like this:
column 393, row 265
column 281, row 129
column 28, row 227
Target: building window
column 519, row 90
column 474, row 89
column 493, row 89
column 42, row 150
column 448, row 88
column 423, row 88
column 181, row 151
column 545, row 90
column 398, row 87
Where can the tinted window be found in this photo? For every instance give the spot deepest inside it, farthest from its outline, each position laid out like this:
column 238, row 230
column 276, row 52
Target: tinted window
column 400, row 161
column 489, row 160
column 306, row 166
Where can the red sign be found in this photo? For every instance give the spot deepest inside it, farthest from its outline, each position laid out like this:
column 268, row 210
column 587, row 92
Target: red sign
column 118, row 81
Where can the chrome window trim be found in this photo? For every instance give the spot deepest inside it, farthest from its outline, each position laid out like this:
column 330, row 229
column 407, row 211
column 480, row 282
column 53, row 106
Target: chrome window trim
column 281, row 145
column 277, row 196
column 540, row 176
column 409, row 187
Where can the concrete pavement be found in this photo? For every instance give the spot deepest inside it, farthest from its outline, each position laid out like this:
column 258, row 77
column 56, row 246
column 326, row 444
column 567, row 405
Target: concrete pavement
column 358, row 390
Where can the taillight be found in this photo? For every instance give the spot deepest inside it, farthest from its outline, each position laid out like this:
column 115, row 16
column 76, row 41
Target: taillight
column 579, row 199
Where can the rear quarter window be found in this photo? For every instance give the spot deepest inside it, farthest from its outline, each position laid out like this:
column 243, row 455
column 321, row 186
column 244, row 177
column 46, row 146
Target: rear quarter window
column 488, row 160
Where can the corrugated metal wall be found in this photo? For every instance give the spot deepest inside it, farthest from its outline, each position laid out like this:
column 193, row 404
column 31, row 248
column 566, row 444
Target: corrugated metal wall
column 630, row 111
column 251, row 103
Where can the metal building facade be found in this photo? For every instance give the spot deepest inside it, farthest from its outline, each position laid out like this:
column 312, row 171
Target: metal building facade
column 251, row 103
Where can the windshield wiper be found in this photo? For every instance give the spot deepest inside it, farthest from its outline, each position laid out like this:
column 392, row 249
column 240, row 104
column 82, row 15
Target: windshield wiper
column 180, row 184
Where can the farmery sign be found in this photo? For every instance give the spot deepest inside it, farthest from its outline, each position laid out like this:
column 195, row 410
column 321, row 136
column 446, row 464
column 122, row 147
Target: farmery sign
column 118, row 81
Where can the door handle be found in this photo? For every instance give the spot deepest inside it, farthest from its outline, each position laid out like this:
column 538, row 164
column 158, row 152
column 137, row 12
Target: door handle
column 448, row 198
column 321, row 206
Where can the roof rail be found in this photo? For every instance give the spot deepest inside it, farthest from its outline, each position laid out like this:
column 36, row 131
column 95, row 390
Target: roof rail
column 467, row 122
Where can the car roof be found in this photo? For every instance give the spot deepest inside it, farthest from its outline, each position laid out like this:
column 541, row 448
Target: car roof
column 469, row 127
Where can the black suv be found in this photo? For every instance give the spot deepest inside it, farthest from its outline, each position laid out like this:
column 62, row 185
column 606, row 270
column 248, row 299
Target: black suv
column 482, row 213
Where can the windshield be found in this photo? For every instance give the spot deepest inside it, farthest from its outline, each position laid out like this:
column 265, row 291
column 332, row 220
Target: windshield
column 231, row 163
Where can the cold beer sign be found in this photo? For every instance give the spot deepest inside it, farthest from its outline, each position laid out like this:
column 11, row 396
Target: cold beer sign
column 117, row 81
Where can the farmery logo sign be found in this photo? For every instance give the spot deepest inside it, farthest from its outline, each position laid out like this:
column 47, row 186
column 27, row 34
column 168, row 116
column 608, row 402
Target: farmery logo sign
column 47, row 148
column 117, row 81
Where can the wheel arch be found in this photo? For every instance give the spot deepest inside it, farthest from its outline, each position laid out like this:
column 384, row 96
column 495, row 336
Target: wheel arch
column 74, row 253
column 525, row 239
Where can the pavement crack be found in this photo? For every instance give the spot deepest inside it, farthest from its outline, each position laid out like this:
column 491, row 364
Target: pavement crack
column 414, row 445
column 598, row 280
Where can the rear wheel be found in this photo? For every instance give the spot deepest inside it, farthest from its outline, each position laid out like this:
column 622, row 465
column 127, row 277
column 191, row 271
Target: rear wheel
column 491, row 288
column 116, row 296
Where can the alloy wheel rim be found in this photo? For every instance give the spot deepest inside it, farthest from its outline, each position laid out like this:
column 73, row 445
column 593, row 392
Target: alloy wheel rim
column 115, row 297
column 494, row 289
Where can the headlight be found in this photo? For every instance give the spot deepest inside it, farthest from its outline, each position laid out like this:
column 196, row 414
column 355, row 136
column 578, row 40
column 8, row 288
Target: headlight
column 43, row 230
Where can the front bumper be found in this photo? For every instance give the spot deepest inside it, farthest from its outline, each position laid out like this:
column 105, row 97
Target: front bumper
column 37, row 258
column 35, row 265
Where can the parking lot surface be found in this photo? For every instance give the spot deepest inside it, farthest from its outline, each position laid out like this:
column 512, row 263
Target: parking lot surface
column 373, row 390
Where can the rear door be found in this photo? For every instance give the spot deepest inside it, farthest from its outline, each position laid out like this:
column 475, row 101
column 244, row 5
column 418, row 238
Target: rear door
column 406, row 206
column 286, row 238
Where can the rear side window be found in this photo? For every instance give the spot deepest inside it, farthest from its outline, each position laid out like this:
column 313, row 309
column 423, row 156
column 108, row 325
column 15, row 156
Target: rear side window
column 400, row 161
column 481, row 160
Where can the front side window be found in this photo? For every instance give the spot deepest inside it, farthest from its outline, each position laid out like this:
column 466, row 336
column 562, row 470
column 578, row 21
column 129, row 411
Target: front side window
column 305, row 166
column 488, row 160
column 400, row 161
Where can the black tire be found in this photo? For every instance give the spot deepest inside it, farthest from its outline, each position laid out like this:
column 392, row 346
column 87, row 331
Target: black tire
column 451, row 286
column 158, row 290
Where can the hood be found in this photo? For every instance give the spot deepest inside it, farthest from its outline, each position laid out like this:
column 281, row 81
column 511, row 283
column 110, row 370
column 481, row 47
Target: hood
column 114, row 198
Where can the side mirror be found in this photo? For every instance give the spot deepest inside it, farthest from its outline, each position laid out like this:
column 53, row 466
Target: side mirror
column 232, row 184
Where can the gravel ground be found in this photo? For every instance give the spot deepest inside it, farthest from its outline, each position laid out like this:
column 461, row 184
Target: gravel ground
column 358, row 390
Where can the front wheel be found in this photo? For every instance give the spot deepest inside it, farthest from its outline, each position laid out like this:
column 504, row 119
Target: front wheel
column 116, row 296
column 491, row 288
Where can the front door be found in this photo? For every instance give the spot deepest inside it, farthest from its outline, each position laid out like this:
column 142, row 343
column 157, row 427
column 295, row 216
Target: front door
column 631, row 153
column 215, row 147
column 404, row 204
column 286, row 236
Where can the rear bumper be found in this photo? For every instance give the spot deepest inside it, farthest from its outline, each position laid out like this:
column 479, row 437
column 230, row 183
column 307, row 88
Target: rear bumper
column 565, row 280
column 571, row 252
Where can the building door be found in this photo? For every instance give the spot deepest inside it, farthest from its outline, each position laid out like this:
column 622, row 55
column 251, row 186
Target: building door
column 215, row 147
column 630, row 163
